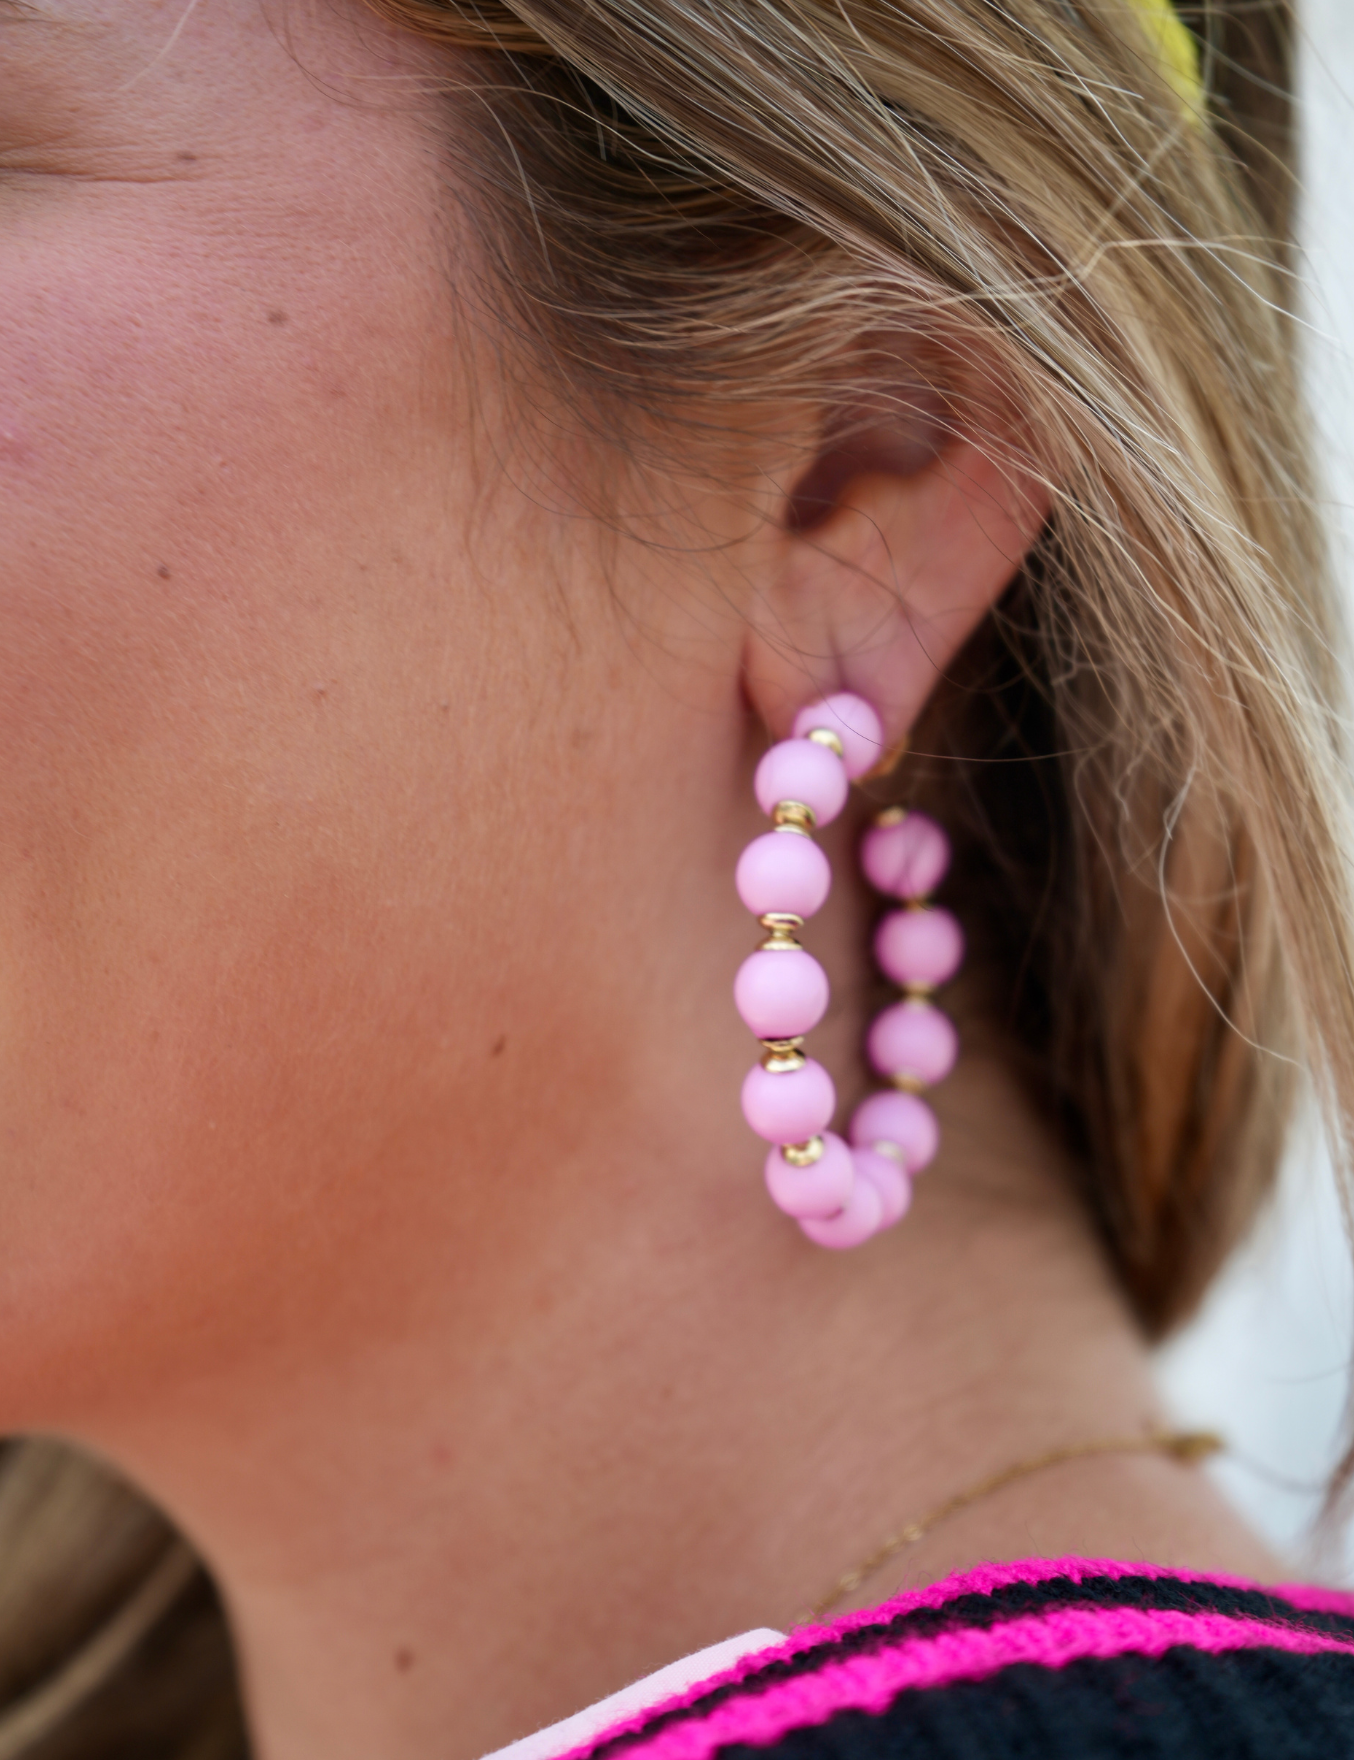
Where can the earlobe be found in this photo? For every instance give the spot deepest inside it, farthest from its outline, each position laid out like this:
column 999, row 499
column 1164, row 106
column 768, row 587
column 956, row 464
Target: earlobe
column 880, row 592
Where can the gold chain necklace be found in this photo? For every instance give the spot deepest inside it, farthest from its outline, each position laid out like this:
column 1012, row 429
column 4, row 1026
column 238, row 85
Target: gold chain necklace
column 1186, row 1446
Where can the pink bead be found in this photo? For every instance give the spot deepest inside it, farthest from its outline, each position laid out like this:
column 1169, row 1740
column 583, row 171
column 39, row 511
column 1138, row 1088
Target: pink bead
column 861, row 1217
column 780, row 994
column 903, row 1119
column 855, row 724
column 889, row 1178
column 820, row 1190
column 788, row 1108
column 907, row 860
column 919, row 947
column 913, row 1039
column 799, row 770
column 781, row 872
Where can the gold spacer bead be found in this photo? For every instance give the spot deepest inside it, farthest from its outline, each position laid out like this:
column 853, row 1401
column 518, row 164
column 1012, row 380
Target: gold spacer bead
column 919, row 992
column 783, row 1063
column 906, row 1083
column 794, row 816
column 824, row 736
column 780, row 926
column 804, row 1154
column 917, row 904
column 783, row 1047
column 890, row 816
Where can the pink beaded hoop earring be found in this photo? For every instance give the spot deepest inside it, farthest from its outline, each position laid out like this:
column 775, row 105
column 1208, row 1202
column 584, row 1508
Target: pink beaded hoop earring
column 840, row 1193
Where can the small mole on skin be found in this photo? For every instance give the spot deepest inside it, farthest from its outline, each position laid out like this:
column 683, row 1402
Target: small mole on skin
column 186, row 158
column 163, row 572
column 499, row 1045
column 277, row 316
column 404, row 1659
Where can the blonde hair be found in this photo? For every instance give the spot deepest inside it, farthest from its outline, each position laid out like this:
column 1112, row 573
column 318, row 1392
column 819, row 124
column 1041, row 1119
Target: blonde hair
column 692, row 205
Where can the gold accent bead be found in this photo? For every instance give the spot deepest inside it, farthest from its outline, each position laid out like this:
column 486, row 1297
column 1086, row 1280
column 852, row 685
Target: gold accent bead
column 783, row 1063
column 917, row 992
column 917, row 904
column 794, row 816
column 907, row 1083
column 804, row 1154
column 783, row 1047
column 780, row 927
column 824, row 736
column 890, row 816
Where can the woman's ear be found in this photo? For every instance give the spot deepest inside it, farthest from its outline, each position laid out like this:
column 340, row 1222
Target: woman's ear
column 889, row 551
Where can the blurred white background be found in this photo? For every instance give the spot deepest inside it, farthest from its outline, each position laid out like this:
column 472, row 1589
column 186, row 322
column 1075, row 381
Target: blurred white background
column 1268, row 1359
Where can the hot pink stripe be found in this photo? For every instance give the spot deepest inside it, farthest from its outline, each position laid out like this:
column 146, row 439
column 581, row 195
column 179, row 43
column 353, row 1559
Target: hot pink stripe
column 870, row 1683
column 1312, row 1599
column 984, row 1578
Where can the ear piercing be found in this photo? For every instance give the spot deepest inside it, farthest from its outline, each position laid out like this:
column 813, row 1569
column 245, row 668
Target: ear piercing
column 840, row 1193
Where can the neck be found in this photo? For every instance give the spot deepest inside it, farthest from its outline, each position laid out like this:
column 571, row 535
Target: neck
column 644, row 1439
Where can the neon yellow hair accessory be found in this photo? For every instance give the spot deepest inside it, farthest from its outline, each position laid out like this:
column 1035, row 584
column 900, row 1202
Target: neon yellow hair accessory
column 1176, row 50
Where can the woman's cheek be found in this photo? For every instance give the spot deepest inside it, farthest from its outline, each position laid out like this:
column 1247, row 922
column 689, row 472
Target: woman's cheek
column 193, row 467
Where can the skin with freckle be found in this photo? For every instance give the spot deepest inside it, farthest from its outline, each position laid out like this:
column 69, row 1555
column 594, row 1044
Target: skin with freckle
column 373, row 1190
column 212, row 680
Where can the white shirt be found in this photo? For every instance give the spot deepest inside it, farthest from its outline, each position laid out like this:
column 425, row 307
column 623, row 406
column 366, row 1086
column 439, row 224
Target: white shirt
column 546, row 1744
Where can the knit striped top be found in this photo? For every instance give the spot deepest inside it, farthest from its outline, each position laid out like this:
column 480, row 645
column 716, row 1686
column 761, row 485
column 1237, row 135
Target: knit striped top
column 1064, row 1659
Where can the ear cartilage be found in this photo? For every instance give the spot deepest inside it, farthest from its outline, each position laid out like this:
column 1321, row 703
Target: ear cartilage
column 842, row 1193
